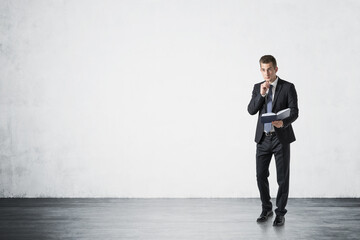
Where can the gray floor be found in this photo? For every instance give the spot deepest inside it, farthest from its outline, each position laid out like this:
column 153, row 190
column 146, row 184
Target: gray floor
column 188, row 219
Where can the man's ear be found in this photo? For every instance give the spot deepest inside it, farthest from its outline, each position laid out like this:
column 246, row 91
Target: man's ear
column 276, row 69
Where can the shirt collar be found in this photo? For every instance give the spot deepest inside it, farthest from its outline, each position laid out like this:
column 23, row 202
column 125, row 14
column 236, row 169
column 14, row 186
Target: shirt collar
column 274, row 84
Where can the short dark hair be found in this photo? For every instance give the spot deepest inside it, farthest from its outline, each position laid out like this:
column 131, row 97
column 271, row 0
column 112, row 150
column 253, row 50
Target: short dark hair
column 268, row 59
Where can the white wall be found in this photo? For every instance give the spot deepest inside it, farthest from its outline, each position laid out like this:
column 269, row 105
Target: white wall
column 149, row 98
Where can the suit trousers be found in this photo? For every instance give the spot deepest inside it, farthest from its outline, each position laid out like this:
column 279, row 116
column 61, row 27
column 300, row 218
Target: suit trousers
column 268, row 146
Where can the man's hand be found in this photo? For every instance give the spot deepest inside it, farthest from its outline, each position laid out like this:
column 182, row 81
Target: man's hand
column 264, row 87
column 278, row 124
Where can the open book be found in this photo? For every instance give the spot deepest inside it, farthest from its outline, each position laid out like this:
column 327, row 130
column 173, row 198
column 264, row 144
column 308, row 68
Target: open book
column 269, row 117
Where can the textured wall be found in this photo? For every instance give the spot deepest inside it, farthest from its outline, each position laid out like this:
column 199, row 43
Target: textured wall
column 149, row 98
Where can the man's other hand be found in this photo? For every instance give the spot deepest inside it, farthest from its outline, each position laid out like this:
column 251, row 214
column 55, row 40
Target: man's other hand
column 278, row 124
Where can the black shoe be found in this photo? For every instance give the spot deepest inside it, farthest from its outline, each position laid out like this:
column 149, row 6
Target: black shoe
column 279, row 220
column 264, row 216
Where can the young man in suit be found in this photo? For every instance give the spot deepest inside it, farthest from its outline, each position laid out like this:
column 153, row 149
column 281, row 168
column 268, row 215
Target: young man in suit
column 273, row 95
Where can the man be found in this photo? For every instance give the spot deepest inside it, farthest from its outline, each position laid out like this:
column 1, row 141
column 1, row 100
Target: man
column 273, row 95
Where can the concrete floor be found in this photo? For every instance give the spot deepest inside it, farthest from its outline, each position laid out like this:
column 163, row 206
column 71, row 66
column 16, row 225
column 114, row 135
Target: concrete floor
column 148, row 219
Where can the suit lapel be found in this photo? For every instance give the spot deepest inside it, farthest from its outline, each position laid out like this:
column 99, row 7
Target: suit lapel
column 277, row 91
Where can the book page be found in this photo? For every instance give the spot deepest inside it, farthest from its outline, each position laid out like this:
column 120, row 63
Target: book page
column 268, row 114
column 284, row 110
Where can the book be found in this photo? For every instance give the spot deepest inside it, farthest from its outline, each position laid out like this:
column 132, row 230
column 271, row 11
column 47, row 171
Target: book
column 269, row 117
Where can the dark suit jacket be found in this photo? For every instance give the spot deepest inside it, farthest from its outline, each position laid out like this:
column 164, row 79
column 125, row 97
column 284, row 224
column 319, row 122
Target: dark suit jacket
column 285, row 97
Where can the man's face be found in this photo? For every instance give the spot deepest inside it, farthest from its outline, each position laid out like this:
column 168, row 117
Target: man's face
column 268, row 71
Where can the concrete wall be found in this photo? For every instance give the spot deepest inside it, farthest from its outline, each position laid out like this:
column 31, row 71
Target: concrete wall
column 149, row 98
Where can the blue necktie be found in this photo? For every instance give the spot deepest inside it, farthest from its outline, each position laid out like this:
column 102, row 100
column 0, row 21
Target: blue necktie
column 267, row 126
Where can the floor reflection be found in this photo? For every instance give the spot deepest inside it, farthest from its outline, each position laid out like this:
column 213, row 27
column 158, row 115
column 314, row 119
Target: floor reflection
column 161, row 219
